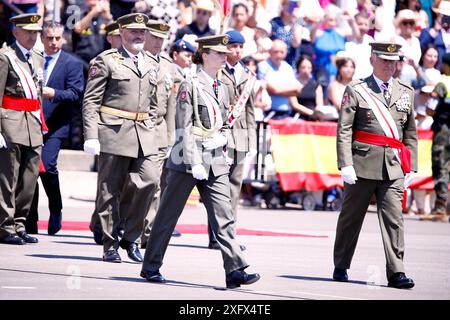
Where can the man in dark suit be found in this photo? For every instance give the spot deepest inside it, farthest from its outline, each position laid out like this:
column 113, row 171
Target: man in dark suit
column 63, row 88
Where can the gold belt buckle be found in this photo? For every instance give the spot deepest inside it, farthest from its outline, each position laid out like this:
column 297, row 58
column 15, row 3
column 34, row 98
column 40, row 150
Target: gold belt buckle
column 140, row 116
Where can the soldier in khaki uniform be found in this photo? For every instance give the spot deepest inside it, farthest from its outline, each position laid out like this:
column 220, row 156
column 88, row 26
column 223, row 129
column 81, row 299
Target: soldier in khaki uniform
column 114, row 39
column 119, row 118
column 21, row 126
column 168, row 82
column 243, row 134
column 377, row 154
column 197, row 159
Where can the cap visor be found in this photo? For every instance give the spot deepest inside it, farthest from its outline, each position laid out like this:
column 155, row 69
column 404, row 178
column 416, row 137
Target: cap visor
column 222, row 49
column 388, row 57
column 159, row 35
column 135, row 26
column 31, row 27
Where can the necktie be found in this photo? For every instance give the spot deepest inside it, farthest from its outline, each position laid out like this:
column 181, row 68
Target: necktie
column 46, row 64
column 30, row 62
column 386, row 94
column 136, row 63
column 216, row 88
column 232, row 70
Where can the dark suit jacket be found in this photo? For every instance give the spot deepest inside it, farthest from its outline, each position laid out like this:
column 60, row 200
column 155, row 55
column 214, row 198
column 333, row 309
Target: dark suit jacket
column 68, row 82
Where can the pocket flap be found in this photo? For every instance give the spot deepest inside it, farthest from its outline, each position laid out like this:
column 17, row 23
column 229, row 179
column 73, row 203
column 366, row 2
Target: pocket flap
column 109, row 119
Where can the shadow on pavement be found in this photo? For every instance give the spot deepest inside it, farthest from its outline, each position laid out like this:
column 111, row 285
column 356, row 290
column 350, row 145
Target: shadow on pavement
column 189, row 246
column 329, row 280
column 77, row 243
column 54, row 256
column 66, row 236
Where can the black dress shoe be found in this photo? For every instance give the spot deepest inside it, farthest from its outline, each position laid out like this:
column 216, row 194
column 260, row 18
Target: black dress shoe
column 54, row 224
column 27, row 238
column 214, row 245
column 153, row 276
column 112, row 256
column 176, row 233
column 132, row 250
column 98, row 237
column 400, row 281
column 237, row 277
column 12, row 239
column 340, row 275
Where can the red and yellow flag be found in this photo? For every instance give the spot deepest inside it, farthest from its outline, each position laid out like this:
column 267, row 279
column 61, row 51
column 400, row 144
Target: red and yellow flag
column 305, row 156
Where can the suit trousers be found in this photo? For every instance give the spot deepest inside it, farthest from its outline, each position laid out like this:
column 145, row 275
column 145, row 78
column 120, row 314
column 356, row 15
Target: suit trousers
column 389, row 195
column 135, row 181
column 148, row 223
column 235, row 176
column 49, row 179
column 19, row 170
column 215, row 193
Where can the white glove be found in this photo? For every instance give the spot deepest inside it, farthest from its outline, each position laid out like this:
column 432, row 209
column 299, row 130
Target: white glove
column 215, row 142
column 408, row 178
column 2, row 142
column 92, row 146
column 251, row 153
column 169, row 150
column 199, row 172
column 349, row 175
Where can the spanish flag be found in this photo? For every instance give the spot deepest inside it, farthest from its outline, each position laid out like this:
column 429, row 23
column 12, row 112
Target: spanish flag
column 305, row 156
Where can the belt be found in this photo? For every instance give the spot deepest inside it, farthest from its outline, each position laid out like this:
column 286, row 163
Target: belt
column 199, row 132
column 20, row 104
column 136, row 116
column 379, row 140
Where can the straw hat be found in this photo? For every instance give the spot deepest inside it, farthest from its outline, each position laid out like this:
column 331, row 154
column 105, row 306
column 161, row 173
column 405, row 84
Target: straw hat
column 443, row 8
column 405, row 14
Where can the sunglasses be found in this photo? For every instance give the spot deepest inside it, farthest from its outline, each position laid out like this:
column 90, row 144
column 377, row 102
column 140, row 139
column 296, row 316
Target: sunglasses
column 202, row 12
column 410, row 22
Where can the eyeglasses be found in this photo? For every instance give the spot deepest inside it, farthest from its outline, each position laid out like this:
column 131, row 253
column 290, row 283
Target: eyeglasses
column 410, row 22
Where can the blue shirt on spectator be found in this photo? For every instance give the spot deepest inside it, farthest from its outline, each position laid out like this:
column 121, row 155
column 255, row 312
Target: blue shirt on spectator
column 285, row 33
column 284, row 75
column 325, row 46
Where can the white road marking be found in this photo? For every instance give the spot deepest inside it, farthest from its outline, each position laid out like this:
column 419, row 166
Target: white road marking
column 18, row 288
column 327, row 295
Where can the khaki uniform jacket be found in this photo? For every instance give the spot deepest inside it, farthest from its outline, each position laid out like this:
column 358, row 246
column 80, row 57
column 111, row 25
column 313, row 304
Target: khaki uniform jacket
column 168, row 82
column 188, row 149
column 370, row 161
column 244, row 130
column 115, row 82
column 19, row 127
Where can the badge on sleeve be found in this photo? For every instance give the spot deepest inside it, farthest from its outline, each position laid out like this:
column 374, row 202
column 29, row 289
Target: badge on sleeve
column 93, row 71
column 183, row 96
column 344, row 100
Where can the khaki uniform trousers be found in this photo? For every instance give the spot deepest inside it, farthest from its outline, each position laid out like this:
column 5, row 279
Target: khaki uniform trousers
column 215, row 193
column 19, row 171
column 135, row 181
column 389, row 195
column 235, row 176
column 148, row 223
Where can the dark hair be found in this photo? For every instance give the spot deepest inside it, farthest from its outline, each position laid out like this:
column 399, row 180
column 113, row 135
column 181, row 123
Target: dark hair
column 301, row 59
column 51, row 25
column 237, row 5
column 249, row 59
column 340, row 63
column 197, row 58
column 428, row 47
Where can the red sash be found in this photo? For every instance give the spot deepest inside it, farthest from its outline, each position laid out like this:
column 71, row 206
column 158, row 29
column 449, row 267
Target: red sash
column 380, row 140
column 24, row 104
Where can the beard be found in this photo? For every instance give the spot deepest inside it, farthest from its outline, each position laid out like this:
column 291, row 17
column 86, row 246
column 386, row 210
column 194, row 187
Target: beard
column 138, row 46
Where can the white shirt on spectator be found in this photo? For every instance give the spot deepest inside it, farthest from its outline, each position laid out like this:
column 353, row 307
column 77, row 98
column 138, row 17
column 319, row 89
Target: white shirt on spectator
column 360, row 53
